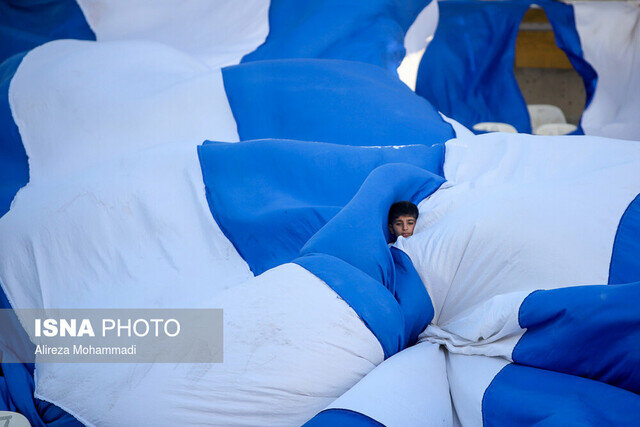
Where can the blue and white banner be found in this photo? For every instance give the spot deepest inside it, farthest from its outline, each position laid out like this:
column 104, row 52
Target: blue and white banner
column 467, row 69
column 252, row 170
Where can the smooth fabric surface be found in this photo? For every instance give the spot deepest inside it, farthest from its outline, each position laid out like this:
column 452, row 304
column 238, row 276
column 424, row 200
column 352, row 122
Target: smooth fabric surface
column 214, row 32
column 277, row 194
column 371, row 31
column 342, row 102
column 410, row 388
column 523, row 396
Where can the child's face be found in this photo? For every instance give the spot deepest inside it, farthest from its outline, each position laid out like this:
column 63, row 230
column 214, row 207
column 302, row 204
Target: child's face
column 402, row 226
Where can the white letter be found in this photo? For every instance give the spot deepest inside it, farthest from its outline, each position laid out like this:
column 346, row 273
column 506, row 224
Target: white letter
column 156, row 321
column 166, row 327
column 128, row 327
column 37, row 327
column 51, row 327
column 86, row 328
column 66, row 327
column 105, row 328
column 135, row 328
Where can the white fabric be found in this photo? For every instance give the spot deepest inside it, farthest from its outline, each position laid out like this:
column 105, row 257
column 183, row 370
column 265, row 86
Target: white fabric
column 418, row 36
column 469, row 377
column 290, row 348
column 115, row 215
column 217, row 32
column 520, row 213
column 490, row 328
column 409, row 389
column 610, row 42
column 115, row 204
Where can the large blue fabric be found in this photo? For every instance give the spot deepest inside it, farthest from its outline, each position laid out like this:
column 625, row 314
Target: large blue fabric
column 352, row 251
column 342, row 102
column 588, row 331
column 625, row 256
column 369, row 31
column 26, row 24
column 277, row 194
column 336, row 417
column 14, row 165
column 526, row 396
column 467, row 70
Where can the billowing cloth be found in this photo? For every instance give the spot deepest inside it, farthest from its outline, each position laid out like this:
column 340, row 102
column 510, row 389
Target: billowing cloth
column 409, row 389
column 114, row 213
column 343, row 102
column 466, row 73
column 81, row 174
column 467, row 70
column 520, row 214
column 110, row 209
column 263, row 315
column 220, row 33
column 291, row 191
column 371, row 32
column 334, row 254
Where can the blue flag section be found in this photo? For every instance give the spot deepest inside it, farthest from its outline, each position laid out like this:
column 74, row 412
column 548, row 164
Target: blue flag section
column 342, row 102
column 525, row 396
column 269, row 197
column 371, row 32
column 467, row 71
column 624, row 266
column 586, row 331
column 14, row 166
column 26, row 24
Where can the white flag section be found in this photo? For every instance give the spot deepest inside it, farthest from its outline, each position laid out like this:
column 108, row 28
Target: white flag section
column 138, row 173
column 611, row 42
column 108, row 124
column 415, row 43
column 240, row 27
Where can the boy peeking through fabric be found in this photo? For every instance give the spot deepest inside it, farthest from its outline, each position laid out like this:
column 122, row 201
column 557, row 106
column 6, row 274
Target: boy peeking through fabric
column 402, row 219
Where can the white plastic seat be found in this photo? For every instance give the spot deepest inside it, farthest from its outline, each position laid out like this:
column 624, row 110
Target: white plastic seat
column 554, row 129
column 541, row 114
column 494, row 127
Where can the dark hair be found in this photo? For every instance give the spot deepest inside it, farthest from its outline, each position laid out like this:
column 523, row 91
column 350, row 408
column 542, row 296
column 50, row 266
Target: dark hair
column 402, row 208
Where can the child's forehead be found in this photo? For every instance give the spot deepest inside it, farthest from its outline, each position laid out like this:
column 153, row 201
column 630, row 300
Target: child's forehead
column 401, row 217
